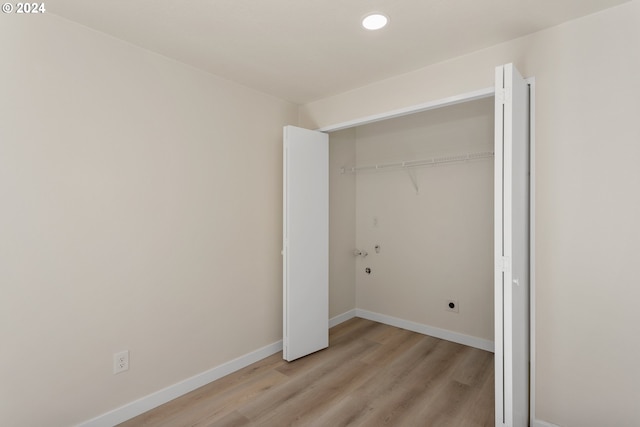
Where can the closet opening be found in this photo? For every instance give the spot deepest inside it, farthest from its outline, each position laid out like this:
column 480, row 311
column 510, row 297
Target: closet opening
column 419, row 218
column 411, row 222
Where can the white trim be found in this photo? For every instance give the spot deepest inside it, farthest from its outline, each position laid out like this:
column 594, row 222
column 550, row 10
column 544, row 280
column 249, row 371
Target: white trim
column 160, row 397
column 439, row 103
column 334, row 321
column 444, row 334
column 532, row 255
column 540, row 423
column 501, row 394
column 153, row 400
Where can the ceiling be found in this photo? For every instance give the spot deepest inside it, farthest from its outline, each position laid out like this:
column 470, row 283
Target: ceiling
column 302, row 50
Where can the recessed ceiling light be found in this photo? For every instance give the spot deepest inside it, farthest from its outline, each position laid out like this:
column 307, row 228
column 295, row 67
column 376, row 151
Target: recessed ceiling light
column 375, row 21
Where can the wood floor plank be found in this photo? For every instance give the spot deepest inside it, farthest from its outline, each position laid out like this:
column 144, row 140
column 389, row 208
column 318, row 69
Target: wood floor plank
column 445, row 406
column 371, row 375
column 233, row 419
column 384, row 390
column 480, row 412
column 393, row 346
column 474, row 367
column 309, row 404
column 202, row 407
column 207, row 394
column 405, row 391
column 309, row 378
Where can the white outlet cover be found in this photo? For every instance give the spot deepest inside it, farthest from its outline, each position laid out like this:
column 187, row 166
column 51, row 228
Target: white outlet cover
column 121, row 362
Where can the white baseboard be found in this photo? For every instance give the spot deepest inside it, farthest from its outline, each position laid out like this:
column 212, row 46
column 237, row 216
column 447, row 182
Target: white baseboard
column 334, row 321
column 427, row 330
column 160, row 397
column 540, row 423
column 167, row 394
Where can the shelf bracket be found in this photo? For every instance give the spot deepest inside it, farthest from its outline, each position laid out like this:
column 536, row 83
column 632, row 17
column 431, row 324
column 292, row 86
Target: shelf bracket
column 414, row 179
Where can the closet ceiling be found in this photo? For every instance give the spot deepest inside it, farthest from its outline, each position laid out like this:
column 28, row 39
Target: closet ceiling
column 303, row 50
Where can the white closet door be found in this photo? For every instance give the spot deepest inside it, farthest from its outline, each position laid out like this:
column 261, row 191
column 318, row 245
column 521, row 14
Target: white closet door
column 305, row 242
column 512, row 247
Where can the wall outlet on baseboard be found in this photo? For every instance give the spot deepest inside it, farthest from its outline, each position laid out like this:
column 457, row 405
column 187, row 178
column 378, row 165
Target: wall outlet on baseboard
column 121, row 362
column 452, row 305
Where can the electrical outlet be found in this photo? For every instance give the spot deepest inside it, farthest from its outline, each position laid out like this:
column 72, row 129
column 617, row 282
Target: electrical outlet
column 121, row 362
column 452, row 305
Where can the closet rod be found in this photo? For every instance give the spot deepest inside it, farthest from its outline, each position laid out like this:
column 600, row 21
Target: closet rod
column 423, row 162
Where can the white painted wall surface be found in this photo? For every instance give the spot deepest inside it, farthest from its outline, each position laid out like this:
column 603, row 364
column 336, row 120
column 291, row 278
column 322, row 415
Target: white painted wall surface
column 587, row 177
column 141, row 210
column 342, row 223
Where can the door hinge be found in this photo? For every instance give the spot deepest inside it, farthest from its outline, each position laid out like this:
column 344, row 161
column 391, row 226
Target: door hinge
column 504, row 264
column 503, row 95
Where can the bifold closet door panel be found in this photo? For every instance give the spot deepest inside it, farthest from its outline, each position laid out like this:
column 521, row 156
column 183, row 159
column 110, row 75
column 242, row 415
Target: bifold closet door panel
column 512, row 247
column 305, row 242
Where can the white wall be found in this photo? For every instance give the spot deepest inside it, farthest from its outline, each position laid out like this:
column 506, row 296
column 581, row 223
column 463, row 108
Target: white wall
column 141, row 210
column 435, row 245
column 342, row 223
column 587, row 178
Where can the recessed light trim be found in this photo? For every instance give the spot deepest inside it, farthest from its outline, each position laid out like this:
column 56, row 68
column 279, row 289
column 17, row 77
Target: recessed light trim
column 374, row 21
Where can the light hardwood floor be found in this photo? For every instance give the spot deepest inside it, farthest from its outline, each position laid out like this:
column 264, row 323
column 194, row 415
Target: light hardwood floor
column 371, row 375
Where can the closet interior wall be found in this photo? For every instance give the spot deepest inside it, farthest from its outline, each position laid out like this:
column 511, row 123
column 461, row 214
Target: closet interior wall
column 434, row 245
column 342, row 225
